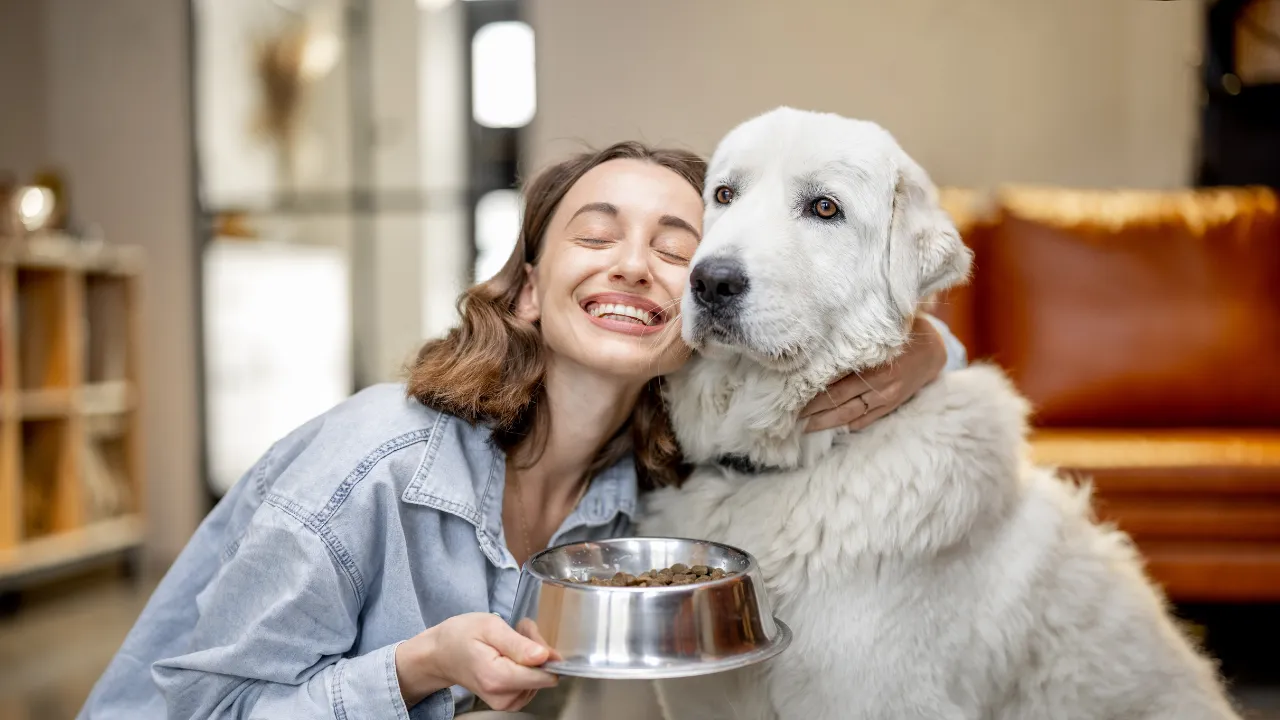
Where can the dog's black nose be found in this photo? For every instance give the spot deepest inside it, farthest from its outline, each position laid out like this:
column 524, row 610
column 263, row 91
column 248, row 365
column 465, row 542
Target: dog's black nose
column 717, row 281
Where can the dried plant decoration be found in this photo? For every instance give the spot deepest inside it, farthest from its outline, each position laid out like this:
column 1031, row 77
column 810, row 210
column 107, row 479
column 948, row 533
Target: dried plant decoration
column 287, row 64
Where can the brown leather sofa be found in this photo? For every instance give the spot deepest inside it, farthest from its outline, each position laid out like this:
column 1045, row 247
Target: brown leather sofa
column 1145, row 329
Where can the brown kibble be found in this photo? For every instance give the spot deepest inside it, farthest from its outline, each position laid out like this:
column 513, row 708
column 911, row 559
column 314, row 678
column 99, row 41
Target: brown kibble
column 677, row 574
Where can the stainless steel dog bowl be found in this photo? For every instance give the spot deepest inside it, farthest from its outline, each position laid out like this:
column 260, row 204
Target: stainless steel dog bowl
column 647, row 632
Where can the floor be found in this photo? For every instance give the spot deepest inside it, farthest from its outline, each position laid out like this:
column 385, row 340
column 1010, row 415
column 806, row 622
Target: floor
column 53, row 647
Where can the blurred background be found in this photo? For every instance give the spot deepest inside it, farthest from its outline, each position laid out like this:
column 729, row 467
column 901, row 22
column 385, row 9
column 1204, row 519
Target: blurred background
column 220, row 217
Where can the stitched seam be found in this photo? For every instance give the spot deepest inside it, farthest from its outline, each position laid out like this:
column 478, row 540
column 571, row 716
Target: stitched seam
column 344, row 558
column 466, row 512
column 257, row 483
column 429, row 456
column 260, row 478
column 326, row 536
column 393, row 685
column 366, row 465
column 231, row 549
column 339, row 709
column 485, row 499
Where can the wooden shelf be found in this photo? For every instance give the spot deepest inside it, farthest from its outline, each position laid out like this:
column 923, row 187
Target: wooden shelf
column 46, row 403
column 56, row 251
column 84, row 544
column 102, row 398
column 71, row 487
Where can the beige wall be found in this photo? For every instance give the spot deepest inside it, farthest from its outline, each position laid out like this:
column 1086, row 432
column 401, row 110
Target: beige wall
column 108, row 105
column 22, row 134
column 1088, row 92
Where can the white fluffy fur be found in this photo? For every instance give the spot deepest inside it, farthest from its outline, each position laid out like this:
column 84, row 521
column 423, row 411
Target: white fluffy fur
column 927, row 569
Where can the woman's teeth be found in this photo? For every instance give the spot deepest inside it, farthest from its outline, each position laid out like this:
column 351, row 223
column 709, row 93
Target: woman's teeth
column 625, row 313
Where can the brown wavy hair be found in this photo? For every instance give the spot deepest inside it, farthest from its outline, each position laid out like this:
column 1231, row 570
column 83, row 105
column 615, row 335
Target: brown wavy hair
column 490, row 368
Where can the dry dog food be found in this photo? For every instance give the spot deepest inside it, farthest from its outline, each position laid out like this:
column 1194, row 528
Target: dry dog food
column 678, row 574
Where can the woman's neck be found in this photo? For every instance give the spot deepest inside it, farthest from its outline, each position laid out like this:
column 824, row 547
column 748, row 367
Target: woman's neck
column 585, row 410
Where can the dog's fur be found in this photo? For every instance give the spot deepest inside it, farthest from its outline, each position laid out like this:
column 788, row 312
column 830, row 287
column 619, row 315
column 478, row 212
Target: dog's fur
column 927, row 569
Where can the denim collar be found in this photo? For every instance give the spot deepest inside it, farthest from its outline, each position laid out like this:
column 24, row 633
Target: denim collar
column 463, row 473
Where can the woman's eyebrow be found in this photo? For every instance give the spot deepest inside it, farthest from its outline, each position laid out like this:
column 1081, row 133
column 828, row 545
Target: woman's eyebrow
column 600, row 207
column 680, row 224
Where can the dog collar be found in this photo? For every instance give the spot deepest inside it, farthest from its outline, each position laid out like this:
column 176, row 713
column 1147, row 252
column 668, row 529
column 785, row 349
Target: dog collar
column 743, row 464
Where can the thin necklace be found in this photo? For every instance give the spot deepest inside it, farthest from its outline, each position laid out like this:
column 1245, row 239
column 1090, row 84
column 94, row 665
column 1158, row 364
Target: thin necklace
column 523, row 516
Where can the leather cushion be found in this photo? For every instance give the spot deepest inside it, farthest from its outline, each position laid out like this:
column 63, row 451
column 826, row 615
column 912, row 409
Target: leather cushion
column 1159, row 310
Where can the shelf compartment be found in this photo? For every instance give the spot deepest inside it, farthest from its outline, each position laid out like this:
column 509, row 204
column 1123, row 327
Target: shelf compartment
column 41, row 306
column 107, row 328
column 108, row 467
column 51, row 497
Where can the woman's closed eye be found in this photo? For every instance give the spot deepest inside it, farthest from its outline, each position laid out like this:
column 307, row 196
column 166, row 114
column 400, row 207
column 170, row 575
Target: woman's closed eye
column 675, row 248
column 593, row 241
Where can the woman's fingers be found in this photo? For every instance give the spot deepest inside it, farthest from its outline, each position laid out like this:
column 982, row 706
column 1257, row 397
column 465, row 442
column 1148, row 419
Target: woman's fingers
column 519, row 677
column 876, row 402
column 874, row 415
column 839, row 393
column 510, row 702
column 505, row 685
column 529, row 629
column 513, row 645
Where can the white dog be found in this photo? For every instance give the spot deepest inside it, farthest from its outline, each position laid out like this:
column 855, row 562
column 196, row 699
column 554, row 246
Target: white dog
column 927, row 569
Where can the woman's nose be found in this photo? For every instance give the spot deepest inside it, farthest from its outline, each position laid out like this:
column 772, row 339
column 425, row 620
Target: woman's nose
column 632, row 264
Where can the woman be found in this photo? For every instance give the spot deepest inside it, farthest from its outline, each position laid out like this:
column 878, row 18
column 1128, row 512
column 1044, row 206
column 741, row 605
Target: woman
column 365, row 566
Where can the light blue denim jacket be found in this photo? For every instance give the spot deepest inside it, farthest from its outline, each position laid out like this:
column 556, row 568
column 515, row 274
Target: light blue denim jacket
column 357, row 531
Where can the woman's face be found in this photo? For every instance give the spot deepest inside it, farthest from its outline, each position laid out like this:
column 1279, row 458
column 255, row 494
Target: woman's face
column 614, row 263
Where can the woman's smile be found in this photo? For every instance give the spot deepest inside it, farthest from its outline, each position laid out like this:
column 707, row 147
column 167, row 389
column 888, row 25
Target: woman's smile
column 624, row 313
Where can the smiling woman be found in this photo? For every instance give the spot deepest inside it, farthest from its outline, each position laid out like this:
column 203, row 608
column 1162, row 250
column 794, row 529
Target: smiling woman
column 605, row 240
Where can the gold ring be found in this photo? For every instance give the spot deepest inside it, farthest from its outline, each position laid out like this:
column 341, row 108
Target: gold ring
column 866, row 406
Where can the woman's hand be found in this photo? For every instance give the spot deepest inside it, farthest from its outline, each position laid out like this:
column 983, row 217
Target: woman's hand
column 859, row 401
column 480, row 652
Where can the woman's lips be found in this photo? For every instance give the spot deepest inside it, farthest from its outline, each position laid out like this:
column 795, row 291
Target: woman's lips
column 627, row 314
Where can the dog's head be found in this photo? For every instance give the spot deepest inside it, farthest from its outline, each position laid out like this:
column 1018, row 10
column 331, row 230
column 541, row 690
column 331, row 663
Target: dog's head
column 821, row 236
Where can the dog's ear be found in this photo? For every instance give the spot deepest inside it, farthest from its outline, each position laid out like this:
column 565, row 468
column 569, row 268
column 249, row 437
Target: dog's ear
column 926, row 254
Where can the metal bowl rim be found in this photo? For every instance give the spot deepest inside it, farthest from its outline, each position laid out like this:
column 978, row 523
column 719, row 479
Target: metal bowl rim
column 781, row 641
column 529, row 569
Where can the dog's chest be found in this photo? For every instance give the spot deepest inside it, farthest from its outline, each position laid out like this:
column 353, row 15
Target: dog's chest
column 872, row 638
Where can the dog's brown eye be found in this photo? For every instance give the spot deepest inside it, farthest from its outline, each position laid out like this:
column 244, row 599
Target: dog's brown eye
column 724, row 195
column 825, row 208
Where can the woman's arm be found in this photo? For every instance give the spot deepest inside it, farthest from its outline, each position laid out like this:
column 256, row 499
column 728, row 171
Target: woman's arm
column 857, row 400
column 275, row 626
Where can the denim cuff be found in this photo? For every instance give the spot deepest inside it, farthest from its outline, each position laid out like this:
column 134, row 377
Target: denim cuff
column 368, row 687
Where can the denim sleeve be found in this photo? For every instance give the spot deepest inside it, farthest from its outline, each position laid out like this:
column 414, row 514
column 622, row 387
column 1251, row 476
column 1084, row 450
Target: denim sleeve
column 274, row 628
column 957, row 356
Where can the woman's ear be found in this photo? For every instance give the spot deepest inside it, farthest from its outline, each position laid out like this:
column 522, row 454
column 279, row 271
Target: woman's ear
column 527, row 307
